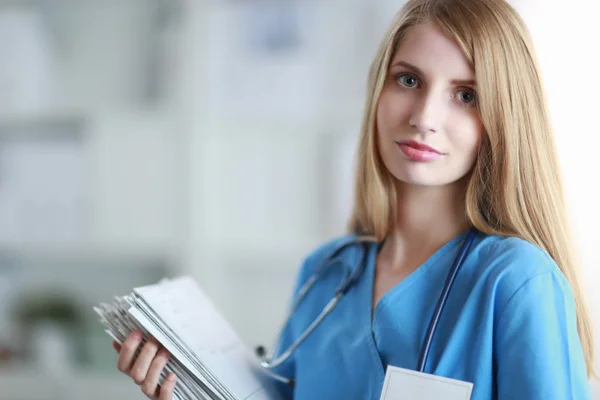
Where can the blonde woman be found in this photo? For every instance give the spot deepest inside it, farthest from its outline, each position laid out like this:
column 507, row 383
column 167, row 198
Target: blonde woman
column 455, row 159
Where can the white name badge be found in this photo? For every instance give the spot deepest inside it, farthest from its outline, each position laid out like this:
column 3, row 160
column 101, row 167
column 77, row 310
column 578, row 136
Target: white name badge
column 404, row 384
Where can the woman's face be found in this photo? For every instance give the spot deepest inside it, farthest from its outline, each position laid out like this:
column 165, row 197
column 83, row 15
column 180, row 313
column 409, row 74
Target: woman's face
column 427, row 120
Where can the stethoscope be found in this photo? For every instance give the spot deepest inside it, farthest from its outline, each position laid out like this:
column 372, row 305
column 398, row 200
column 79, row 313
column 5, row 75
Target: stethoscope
column 269, row 363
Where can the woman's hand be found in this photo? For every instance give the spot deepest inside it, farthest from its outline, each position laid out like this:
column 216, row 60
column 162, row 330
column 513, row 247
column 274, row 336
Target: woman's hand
column 146, row 369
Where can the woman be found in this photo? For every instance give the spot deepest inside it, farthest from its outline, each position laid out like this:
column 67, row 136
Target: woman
column 456, row 138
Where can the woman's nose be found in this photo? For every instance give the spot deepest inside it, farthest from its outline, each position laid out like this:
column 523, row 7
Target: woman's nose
column 427, row 114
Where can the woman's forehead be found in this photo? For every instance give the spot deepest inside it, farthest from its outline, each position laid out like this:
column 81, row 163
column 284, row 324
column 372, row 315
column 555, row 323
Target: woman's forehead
column 428, row 49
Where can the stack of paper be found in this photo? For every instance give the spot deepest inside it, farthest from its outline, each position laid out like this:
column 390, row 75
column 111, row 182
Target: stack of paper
column 209, row 359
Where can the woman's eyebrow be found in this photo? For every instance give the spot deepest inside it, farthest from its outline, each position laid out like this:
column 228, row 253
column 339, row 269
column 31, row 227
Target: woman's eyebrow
column 400, row 63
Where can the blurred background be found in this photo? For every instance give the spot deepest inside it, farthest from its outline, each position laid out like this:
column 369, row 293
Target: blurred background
column 142, row 139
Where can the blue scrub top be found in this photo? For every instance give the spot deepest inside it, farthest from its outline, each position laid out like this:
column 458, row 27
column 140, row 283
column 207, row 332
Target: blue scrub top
column 509, row 326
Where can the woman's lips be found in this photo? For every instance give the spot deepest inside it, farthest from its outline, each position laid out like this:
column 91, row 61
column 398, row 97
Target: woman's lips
column 418, row 151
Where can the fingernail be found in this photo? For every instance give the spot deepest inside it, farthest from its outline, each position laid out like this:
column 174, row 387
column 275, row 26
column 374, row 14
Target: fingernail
column 171, row 378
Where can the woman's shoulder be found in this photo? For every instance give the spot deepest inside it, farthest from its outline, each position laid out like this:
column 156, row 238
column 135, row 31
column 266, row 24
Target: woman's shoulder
column 327, row 248
column 508, row 264
column 507, row 253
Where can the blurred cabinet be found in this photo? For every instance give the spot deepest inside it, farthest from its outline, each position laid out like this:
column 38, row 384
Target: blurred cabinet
column 115, row 176
column 136, row 170
column 89, row 124
column 92, row 176
column 43, row 181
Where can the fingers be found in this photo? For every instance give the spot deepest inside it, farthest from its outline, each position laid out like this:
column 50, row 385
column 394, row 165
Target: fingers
column 158, row 364
column 146, row 369
column 140, row 368
column 116, row 346
column 128, row 350
column 166, row 389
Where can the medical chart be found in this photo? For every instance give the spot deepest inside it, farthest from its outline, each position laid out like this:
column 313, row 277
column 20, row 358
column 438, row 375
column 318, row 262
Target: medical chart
column 209, row 359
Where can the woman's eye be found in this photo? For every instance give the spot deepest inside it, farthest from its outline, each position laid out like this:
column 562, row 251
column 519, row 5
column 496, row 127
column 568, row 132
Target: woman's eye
column 466, row 96
column 407, row 80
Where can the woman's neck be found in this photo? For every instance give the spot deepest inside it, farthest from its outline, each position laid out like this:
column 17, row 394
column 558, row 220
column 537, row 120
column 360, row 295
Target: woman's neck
column 427, row 218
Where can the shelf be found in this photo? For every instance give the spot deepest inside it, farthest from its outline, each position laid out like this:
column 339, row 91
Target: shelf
column 17, row 123
column 75, row 252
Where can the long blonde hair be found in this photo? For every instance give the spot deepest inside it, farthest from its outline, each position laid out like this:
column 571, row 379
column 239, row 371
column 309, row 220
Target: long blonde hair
column 514, row 188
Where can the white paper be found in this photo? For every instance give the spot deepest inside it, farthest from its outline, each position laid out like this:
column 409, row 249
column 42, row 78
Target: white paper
column 169, row 345
column 190, row 313
column 404, row 384
column 209, row 358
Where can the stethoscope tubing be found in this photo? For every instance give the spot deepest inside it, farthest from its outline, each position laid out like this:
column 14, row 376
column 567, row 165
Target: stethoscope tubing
column 268, row 362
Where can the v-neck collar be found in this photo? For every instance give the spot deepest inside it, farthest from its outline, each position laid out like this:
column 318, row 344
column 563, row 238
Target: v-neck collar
column 411, row 278
column 369, row 314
